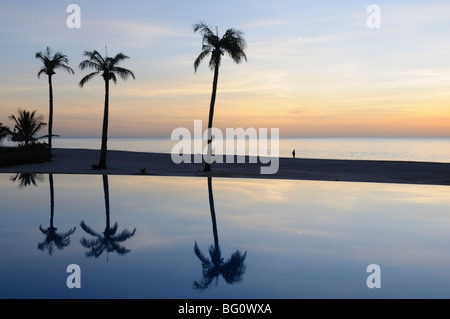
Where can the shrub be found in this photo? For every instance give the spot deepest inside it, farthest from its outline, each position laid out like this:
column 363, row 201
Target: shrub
column 24, row 154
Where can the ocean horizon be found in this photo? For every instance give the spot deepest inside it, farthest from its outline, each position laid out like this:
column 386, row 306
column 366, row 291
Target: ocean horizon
column 422, row 149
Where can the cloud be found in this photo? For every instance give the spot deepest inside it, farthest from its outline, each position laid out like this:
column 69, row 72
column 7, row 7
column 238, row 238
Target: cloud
column 319, row 39
column 263, row 23
column 131, row 33
column 418, row 15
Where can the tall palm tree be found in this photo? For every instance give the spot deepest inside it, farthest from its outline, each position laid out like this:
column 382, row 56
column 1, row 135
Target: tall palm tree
column 109, row 241
column 51, row 63
column 26, row 125
column 108, row 68
column 231, row 270
column 232, row 43
column 52, row 238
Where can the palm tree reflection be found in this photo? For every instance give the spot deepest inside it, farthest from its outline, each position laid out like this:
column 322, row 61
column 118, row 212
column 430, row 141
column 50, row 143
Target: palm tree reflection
column 27, row 179
column 231, row 270
column 109, row 241
column 52, row 238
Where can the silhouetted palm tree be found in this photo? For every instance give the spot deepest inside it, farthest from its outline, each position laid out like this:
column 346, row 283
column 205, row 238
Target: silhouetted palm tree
column 26, row 125
column 51, row 63
column 108, row 68
column 109, row 241
column 231, row 270
column 27, row 179
column 52, row 238
column 231, row 43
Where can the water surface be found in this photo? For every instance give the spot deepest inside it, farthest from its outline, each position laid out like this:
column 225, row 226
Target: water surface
column 273, row 239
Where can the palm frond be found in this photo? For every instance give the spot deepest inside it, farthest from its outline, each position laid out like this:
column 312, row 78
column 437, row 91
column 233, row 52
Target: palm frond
column 95, row 56
column 123, row 73
column 37, row 128
column 60, row 58
column 12, row 117
column 204, row 283
column 200, row 58
column 234, row 268
column 90, row 64
column 124, row 235
column 87, row 78
column 207, row 47
column 201, row 256
column 85, row 243
column 40, row 56
column 202, row 28
column 66, row 68
column 234, row 44
column 118, row 58
column 118, row 249
column 42, row 70
column 44, row 231
column 69, row 232
column 89, row 230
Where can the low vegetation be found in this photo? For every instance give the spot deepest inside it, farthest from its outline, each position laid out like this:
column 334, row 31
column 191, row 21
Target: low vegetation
column 24, row 154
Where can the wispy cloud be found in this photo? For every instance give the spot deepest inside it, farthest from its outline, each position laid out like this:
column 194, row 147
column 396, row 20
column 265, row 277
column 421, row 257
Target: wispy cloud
column 319, row 39
column 408, row 15
column 131, row 33
column 262, row 23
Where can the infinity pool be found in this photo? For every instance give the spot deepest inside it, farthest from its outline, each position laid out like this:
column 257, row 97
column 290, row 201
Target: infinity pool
column 186, row 238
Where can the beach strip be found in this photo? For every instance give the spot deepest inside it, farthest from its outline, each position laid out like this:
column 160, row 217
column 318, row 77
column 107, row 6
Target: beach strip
column 80, row 161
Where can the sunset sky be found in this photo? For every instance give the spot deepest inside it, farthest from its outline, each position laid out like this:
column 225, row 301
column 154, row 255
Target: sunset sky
column 314, row 67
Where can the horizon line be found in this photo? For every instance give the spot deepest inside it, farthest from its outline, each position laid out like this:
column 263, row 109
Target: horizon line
column 281, row 137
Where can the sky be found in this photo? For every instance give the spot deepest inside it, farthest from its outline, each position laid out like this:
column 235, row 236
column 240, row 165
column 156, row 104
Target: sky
column 315, row 68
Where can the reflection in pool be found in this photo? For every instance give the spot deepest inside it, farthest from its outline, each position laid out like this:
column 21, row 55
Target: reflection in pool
column 109, row 241
column 185, row 238
column 231, row 270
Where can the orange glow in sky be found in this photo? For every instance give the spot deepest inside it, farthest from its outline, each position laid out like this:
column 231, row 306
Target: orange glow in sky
column 314, row 69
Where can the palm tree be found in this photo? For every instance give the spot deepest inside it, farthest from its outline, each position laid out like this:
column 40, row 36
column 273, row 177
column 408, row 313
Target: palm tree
column 51, row 63
column 231, row 43
column 108, row 68
column 109, row 241
column 231, row 270
column 26, row 125
column 52, row 238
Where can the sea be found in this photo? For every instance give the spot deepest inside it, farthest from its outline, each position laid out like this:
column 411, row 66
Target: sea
column 391, row 149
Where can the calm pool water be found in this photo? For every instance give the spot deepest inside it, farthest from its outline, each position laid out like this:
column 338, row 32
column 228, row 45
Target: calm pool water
column 269, row 239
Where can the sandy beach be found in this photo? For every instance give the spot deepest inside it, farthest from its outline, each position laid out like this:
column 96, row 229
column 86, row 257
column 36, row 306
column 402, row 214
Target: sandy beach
column 79, row 161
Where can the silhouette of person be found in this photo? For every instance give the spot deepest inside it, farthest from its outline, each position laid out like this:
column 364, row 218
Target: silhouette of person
column 293, row 154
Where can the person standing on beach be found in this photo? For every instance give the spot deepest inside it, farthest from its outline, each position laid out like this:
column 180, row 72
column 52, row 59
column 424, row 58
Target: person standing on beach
column 293, row 153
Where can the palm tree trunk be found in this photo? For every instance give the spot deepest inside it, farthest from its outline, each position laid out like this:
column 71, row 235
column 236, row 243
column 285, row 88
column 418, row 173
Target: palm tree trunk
column 107, row 232
column 52, row 200
column 213, row 214
column 207, row 167
column 50, row 114
column 106, row 193
column 103, row 151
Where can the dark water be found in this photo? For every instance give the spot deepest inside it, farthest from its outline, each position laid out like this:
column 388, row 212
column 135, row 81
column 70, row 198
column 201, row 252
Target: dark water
column 269, row 239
